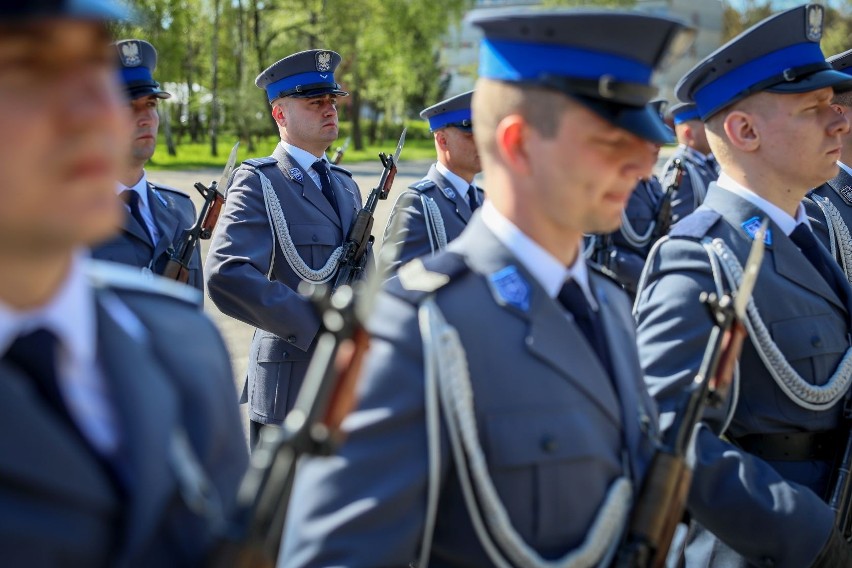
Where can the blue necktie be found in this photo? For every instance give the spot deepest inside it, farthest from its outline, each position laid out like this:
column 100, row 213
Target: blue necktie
column 573, row 299
column 325, row 181
column 471, row 198
column 132, row 199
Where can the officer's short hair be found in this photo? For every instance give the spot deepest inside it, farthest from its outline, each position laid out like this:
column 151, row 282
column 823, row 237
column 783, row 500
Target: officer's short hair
column 844, row 99
column 495, row 100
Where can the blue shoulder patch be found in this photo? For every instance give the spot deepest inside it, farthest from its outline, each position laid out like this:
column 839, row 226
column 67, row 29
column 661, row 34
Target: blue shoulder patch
column 422, row 185
column 260, row 162
column 752, row 226
column 160, row 198
column 339, row 169
column 511, row 288
column 449, row 192
column 695, row 225
column 296, row 174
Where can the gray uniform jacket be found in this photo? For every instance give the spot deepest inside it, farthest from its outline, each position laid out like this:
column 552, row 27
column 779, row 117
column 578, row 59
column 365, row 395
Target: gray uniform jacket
column 554, row 427
column 169, row 373
column 839, row 192
column 249, row 278
column 417, row 233
column 763, row 513
column 693, row 186
column 173, row 213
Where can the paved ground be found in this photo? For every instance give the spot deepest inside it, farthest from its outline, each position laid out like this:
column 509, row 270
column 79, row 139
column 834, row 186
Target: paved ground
column 238, row 335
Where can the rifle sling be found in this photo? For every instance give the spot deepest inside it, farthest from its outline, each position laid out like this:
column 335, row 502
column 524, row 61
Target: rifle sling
column 792, row 446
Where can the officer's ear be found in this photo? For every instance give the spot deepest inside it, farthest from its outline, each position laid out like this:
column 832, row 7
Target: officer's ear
column 278, row 113
column 741, row 129
column 513, row 140
column 441, row 139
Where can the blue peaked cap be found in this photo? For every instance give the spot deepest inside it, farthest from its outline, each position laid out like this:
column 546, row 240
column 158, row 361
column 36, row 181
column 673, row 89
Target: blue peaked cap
column 604, row 59
column 781, row 54
column 305, row 74
column 683, row 112
column 454, row 111
column 137, row 61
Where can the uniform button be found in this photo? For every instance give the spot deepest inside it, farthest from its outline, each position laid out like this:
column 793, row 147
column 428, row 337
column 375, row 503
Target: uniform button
column 291, row 339
column 548, row 444
column 816, row 341
column 315, row 238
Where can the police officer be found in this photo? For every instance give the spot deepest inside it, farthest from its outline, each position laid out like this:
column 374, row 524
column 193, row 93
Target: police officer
column 696, row 158
column 757, row 497
column 285, row 216
column 518, row 439
column 435, row 210
column 829, row 206
column 117, row 405
column 155, row 215
column 623, row 251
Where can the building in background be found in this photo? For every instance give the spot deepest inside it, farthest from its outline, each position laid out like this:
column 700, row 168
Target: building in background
column 460, row 51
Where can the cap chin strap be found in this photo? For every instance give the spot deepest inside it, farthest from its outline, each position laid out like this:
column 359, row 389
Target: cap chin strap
column 605, row 88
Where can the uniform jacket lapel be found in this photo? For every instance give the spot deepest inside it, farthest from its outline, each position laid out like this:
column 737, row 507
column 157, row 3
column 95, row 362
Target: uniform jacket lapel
column 788, row 261
column 167, row 222
column 346, row 202
column 462, row 208
column 551, row 334
column 146, row 407
column 132, row 227
column 842, row 185
column 289, row 167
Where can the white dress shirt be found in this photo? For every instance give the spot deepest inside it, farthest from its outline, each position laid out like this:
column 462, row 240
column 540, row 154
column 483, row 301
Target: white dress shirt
column 70, row 316
column 543, row 266
column 780, row 217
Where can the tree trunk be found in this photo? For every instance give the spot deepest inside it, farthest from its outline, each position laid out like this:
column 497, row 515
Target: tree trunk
column 166, row 121
column 355, row 110
column 214, row 103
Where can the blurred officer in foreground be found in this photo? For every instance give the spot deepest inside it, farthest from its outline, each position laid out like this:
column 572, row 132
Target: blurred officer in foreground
column 284, row 218
column 696, row 158
column 829, row 206
column 155, row 215
column 116, row 401
column 547, row 424
column 758, row 493
column 436, row 209
column 623, row 251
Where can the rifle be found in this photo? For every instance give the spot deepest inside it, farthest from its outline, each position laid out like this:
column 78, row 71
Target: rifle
column 338, row 154
column 178, row 266
column 664, row 213
column 841, row 485
column 311, row 428
column 661, row 503
column 359, row 241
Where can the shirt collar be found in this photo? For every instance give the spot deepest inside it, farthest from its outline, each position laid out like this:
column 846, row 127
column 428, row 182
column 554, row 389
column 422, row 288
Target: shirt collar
column 543, row 266
column 458, row 183
column 778, row 215
column 844, row 167
column 70, row 315
column 140, row 187
column 304, row 158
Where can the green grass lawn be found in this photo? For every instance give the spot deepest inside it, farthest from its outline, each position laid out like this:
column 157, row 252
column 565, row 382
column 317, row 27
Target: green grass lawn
column 194, row 156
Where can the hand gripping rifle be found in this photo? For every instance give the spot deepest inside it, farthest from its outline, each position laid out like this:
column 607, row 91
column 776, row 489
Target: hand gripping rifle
column 664, row 213
column 359, row 241
column 338, row 154
column 311, row 428
column 178, row 266
column 661, row 503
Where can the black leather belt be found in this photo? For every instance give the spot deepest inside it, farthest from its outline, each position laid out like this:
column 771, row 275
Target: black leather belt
column 792, row 446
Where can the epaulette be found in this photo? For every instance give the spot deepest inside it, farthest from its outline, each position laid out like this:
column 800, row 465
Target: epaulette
column 696, row 225
column 423, row 185
column 174, row 190
column 124, row 277
column 422, row 276
column 338, row 168
column 260, row 162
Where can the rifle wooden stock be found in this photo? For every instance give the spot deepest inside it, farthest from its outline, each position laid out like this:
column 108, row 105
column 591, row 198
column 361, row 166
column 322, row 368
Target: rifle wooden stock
column 312, row 427
column 177, row 267
column 661, row 503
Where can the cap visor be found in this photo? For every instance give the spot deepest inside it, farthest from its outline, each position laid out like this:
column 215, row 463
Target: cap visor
column 819, row 80
column 318, row 93
column 140, row 92
column 99, row 9
column 644, row 122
